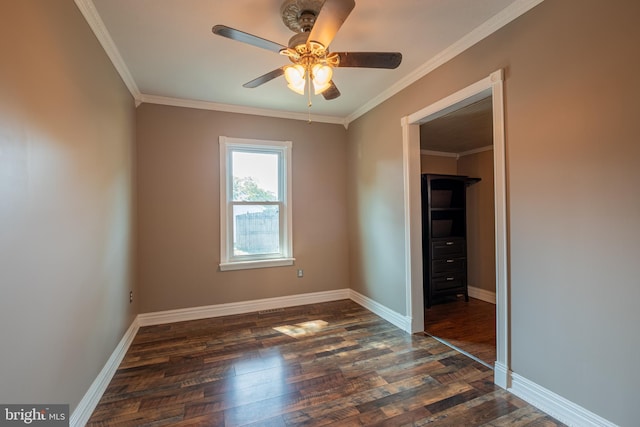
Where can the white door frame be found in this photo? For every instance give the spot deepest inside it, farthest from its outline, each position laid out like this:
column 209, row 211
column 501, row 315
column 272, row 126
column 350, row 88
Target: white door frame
column 491, row 85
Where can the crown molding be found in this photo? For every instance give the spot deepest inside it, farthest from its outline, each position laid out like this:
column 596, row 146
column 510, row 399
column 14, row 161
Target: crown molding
column 493, row 24
column 439, row 153
column 91, row 15
column 456, row 155
column 230, row 108
column 476, row 151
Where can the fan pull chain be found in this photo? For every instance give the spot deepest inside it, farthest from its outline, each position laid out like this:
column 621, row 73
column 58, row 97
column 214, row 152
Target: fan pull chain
column 309, row 105
column 309, row 90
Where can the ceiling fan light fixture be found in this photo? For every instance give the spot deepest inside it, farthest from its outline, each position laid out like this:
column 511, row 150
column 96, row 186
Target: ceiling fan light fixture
column 295, row 76
column 321, row 75
column 319, row 89
column 298, row 88
column 315, row 24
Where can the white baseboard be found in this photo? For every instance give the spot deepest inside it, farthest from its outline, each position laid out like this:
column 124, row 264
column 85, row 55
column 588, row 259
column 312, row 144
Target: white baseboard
column 218, row 310
column 555, row 405
column 92, row 397
column 501, row 375
column 482, row 294
column 549, row 402
column 204, row 312
column 90, row 400
column 397, row 319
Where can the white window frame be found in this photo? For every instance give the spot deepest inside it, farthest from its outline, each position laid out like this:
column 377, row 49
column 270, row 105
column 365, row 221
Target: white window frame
column 227, row 260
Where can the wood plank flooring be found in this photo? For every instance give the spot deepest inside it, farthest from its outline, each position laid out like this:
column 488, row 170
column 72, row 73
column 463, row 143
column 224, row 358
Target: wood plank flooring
column 469, row 326
column 331, row 364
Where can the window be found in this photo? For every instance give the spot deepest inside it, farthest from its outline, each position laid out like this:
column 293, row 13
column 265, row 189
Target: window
column 255, row 203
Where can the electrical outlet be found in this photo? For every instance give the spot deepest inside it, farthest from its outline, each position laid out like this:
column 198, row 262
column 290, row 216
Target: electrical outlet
column 300, row 272
column 130, row 297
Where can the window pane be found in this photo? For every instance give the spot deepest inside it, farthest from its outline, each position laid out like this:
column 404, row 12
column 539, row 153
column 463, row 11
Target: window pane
column 256, row 229
column 255, row 176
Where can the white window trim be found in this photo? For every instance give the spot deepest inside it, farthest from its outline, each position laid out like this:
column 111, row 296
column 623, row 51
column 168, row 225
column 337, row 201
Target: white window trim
column 285, row 258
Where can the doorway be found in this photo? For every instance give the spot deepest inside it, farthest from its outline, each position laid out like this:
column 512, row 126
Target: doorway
column 490, row 86
column 460, row 145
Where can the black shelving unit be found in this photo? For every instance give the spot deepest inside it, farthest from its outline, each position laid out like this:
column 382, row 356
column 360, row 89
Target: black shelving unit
column 444, row 236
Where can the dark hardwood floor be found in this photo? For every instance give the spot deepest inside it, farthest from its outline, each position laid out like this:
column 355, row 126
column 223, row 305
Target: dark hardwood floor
column 469, row 326
column 331, row 364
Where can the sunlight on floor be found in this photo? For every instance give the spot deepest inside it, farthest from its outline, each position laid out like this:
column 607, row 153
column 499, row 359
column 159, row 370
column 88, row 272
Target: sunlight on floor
column 302, row 329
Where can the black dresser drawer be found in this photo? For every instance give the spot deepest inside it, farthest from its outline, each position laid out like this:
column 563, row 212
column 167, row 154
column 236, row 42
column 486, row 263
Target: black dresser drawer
column 449, row 282
column 444, row 265
column 449, row 248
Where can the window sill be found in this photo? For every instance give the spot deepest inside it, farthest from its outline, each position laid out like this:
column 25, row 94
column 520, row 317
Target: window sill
column 263, row 263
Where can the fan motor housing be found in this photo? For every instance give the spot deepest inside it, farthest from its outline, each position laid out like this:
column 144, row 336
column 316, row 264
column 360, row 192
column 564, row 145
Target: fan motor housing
column 298, row 39
column 300, row 15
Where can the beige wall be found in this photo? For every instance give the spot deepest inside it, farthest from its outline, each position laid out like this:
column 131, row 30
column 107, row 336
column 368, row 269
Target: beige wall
column 481, row 248
column 178, row 209
column 376, row 222
column 66, row 138
column 438, row 164
column 571, row 108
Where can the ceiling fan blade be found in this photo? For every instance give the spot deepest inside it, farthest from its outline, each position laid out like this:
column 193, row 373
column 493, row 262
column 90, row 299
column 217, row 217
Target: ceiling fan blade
column 241, row 36
column 388, row 60
column 332, row 92
column 265, row 78
column 329, row 20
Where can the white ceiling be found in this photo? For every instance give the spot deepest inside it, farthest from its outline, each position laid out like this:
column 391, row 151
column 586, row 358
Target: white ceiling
column 462, row 130
column 166, row 52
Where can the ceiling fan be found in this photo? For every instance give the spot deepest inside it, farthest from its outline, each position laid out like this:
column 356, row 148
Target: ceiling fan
column 315, row 23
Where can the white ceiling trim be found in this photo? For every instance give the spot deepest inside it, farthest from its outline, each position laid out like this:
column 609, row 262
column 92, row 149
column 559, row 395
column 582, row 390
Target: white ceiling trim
column 476, row 151
column 90, row 13
column 439, row 153
column 456, row 155
column 229, row 108
column 490, row 26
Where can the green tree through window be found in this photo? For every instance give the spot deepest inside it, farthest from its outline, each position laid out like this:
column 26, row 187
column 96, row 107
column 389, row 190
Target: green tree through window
column 245, row 189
